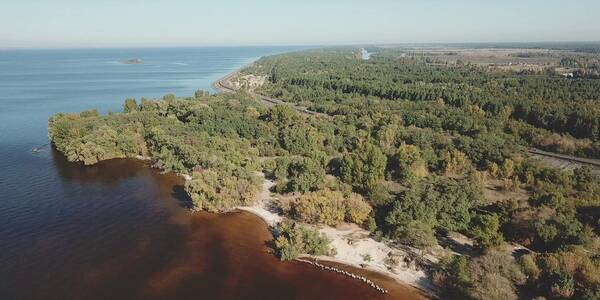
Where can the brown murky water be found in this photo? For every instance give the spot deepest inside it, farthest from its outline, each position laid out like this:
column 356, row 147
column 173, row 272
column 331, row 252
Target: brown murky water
column 121, row 230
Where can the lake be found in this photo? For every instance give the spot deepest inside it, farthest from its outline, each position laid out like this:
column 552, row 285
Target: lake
column 119, row 229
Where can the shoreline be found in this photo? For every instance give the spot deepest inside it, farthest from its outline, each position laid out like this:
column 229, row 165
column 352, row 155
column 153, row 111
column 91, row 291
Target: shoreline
column 349, row 255
column 416, row 279
column 221, row 86
column 409, row 278
column 218, row 84
column 346, row 256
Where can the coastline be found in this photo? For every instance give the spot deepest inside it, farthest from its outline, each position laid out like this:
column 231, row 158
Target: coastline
column 347, row 255
column 351, row 243
column 218, row 84
column 222, row 87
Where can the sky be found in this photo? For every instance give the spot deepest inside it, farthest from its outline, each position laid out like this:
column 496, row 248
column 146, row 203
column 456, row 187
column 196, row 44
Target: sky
column 161, row 23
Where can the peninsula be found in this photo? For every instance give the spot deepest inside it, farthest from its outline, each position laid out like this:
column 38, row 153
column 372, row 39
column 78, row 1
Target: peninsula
column 415, row 163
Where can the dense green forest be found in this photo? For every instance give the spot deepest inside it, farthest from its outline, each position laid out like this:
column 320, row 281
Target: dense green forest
column 408, row 147
column 539, row 109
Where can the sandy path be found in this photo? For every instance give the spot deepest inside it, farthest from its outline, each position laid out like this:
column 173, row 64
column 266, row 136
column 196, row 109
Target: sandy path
column 264, row 206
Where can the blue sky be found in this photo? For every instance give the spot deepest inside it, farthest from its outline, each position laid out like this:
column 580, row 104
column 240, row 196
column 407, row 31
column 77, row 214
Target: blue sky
column 132, row 23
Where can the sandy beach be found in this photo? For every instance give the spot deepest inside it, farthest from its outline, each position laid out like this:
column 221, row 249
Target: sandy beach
column 351, row 244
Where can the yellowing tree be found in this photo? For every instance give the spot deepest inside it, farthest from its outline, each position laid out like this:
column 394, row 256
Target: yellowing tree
column 410, row 164
column 455, row 163
column 324, row 206
column 357, row 209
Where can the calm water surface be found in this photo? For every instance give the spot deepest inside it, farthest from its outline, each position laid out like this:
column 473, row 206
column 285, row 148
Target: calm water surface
column 121, row 230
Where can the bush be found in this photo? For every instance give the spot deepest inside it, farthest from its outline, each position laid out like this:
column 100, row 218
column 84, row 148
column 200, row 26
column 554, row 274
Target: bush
column 561, row 285
column 591, row 293
column 329, row 207
column 130, row 105
column 455, row 279
column 409, row 165
column 293, row 239
column 416, row 234
column 485, row 230
column 455, row 162
column 357, row 209
column 530, row 267
column 298, row 175
column 214, row 190
column 491, row 276
column 321, row 207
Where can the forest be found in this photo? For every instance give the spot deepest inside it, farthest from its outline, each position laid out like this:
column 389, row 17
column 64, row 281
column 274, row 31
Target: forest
column 411, row 148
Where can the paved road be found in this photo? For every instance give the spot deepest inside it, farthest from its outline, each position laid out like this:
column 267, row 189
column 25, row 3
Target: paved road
column 587, row 161
column 566, row 162
column 224, row 86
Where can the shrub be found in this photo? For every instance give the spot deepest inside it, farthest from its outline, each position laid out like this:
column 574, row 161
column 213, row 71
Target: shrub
column 440, row 203
column 330, row 207
column 562, row 285
column 357, row 209
column 530, row 267
column 214, row 190
column 485, row 230
column 324, row 207
column 130, row 105
column 293, row 239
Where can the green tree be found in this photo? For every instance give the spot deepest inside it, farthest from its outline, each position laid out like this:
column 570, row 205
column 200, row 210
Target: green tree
column 293, row 239
column 200, row 93
column 130, row 106
column 305, row 175
column 441, row 203
column 409, row 163
column 363, row 168
column 562, row 285
column 486, row 231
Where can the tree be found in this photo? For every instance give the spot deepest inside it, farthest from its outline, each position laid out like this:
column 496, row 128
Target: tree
column 200, row 93
column 363, row 168
column 508, row 168
column 584, row 179
column 486, row 231
column 282, row 115
column 130, row 106
column 215, row 190
column 305, row 175
column 455, row 162
column 494, row 276
column 441, row 203
column 298, row 174
column 357, row 209
column 562, row 285
column 169, row 98
column 409, row 164
column 321, row 207
column 417, row 234
column 293, row 239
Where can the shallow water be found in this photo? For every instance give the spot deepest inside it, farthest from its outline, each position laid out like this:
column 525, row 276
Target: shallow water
column 121, row 230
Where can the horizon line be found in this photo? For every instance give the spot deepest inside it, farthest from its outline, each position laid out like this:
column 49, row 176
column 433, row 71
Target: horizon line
column 83, row 47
